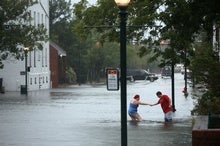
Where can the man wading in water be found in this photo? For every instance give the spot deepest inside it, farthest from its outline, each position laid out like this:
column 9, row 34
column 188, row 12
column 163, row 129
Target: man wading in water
column 166, row 106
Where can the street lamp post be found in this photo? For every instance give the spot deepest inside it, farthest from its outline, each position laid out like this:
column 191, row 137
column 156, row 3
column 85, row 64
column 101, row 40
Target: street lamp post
column 185, row 73
column 162, row 43
column 26, row 68
column 173, row 86
column 122, row 5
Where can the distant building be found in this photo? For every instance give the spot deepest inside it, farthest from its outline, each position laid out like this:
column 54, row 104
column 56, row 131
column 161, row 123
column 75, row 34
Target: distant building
column 57, row 64
column 38, row 76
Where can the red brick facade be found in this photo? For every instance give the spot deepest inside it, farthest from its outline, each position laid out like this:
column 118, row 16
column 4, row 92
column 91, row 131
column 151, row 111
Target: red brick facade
column 57, row 64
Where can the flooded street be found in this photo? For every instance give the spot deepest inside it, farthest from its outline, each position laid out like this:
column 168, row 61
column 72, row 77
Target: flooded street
column 90, row 116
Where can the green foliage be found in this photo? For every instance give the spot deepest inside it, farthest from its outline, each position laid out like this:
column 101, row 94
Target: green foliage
column 15, row 32
column 208, row 103
column 205, row 67
column 101, row 23
column 160, row 19
column 152, row 17
column 60, row 15
column 60, row 11
column 206, row 71
column 71, row 75
column 61, row 32
column 95, row 60
column 101, row 16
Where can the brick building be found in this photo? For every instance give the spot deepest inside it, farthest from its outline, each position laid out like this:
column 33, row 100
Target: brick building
column 57, row 65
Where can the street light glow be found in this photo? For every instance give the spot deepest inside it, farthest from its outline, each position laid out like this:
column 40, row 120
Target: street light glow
column 122, row 2
column 26, row 49
column 162, row 42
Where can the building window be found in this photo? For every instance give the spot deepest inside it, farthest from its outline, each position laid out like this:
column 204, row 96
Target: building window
column 38, row 54
column 46, row 57
column 30, row 58
column 42, row 18
column 38, row 18
column 35, row 80
column 42, row 57
column 30, row 81
column 46, row 23
column 34, row 57
column 34, row 18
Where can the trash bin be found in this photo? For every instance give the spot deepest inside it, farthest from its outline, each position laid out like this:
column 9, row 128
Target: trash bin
column 3, row 89
column 23, row 89
column 214, row 121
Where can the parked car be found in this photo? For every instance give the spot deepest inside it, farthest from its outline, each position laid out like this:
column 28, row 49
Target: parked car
column 166, row 71
column 178, row 68
column 141, row 74
column 182, row 70
column 130, row 78
column 188, row 74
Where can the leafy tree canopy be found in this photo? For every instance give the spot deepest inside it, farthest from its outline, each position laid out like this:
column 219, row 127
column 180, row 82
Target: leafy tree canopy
column 16, row 31
column 60, row 16
column 149, row 21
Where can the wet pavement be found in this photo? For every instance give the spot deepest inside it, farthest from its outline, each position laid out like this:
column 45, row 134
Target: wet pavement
column 90, row 116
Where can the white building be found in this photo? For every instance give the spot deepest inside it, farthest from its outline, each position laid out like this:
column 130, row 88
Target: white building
column 37, row 60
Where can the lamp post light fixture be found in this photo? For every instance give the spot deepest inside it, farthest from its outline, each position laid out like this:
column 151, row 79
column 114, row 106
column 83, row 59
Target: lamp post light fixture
column 26, row 68
column 163, row 43
column 122, row 5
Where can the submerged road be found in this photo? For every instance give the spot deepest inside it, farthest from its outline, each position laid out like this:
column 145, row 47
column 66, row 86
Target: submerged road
column 90, row 116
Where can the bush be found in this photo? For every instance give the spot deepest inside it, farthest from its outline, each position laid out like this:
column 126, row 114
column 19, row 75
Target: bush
column 209, row 103
column 71, row 75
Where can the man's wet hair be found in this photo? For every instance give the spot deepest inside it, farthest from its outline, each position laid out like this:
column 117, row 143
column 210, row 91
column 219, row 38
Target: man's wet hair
column 158, row 93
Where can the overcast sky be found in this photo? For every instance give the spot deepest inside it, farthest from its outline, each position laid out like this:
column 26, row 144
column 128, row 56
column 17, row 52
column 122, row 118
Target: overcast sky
column 92, row 2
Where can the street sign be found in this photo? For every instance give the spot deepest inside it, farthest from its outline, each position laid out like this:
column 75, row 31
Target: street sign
column 112, row 79
column 22, row 72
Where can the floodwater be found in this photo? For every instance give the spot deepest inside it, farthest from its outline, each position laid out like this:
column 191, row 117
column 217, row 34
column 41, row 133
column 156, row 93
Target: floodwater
column 90, row 116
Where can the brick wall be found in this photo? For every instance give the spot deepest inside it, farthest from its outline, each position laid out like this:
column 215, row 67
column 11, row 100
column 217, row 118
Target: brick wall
column 54, row 67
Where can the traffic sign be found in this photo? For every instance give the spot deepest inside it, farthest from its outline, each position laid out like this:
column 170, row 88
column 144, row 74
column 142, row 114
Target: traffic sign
column 112, row 79
column 22, row 72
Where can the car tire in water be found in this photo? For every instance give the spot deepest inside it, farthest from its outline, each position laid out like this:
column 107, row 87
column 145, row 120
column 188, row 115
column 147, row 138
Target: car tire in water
column 151, row 79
